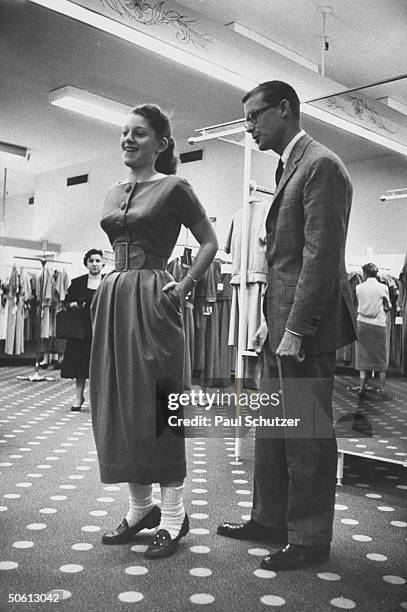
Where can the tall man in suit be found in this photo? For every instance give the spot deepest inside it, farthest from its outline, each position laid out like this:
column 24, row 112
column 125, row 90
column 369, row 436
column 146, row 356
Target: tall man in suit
column 309, row 314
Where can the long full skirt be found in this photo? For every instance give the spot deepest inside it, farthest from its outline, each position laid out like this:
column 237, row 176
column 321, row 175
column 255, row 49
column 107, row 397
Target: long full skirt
column 136, row 362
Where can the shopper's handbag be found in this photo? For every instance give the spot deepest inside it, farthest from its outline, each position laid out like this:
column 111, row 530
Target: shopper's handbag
column 70, row 324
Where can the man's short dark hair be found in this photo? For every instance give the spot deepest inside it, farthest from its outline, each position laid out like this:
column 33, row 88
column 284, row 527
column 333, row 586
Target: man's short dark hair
column 275, row 91
column 370, row 270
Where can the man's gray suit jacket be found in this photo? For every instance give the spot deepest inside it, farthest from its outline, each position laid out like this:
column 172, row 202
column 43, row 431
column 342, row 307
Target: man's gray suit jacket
column 308, row 290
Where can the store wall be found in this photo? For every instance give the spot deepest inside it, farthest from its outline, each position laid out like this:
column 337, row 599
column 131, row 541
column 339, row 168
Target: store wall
column 70, row 215
column 218, row 180
column 378, row 230
column 19, row 216
column 379, row 226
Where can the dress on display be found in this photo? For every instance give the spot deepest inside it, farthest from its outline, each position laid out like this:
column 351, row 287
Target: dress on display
column 138, row 335
column 256, row 273
column 77, row 351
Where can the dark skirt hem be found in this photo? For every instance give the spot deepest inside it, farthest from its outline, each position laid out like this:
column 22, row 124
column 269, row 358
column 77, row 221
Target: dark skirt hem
column 148, row 475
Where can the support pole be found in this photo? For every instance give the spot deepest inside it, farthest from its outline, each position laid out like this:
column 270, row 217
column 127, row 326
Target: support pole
column 3, row 206
column 325, row 10
column 242, row 301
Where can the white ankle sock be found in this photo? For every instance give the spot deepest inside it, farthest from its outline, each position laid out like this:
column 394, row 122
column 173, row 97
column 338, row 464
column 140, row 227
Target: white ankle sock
column 140, row 500
column 172, row 510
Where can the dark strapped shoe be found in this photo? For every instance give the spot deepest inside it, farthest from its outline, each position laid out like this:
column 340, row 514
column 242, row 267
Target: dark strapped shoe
column 78, row 408
column 295, row 556
column 162, row 545
column 252, row 531
column 123, row 533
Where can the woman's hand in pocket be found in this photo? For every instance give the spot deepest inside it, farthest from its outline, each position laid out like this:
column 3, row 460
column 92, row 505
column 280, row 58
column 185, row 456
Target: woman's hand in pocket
column 176, row 288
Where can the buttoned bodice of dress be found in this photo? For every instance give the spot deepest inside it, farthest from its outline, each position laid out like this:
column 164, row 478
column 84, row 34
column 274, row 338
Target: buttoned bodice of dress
column 150, row 213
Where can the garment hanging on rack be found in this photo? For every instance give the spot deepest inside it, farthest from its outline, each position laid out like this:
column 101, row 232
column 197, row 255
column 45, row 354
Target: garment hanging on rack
column 19, row 292
column 204, row 302
column 59, row 288
column 256, row 258
column 227, row 354
column 392, row 330
column 178, row 268
column 256, row 275
column 43, row 290
column 20, row 307
column 12, row 311
column 4, row 306
column 403, row 303
column 346, row 354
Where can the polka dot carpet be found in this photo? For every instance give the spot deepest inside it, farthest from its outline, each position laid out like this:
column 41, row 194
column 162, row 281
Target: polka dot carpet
column 53, row 510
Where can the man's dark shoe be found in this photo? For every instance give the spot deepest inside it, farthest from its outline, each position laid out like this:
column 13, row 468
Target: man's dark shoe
column 252, row 531
column 385, row 397
column 123, row 533
column 295, row 556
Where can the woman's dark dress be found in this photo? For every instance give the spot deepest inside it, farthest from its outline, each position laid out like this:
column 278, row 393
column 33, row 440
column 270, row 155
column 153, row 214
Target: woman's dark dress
column 77, row 351
column 138, row 337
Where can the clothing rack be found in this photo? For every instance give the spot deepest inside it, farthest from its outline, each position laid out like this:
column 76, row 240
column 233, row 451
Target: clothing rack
column 220, row 131
column 254, row 187
column 249, row 185
column 43, row 260
column 25, row 267
column 360, row 266
column 264, row 190
column 39, row 377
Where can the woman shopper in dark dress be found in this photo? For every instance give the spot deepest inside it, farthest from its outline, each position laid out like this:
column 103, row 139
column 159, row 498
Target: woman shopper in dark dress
column 77, row 352
column 138, row 344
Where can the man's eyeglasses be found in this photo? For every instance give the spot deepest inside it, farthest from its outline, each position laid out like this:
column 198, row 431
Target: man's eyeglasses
column 254, row 115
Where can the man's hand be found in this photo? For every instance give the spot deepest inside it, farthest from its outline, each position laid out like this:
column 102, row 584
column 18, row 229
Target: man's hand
column 260, row 338
column 290, row 347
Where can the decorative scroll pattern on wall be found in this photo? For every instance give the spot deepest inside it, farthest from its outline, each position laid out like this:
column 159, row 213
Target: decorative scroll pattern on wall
column 150, row 14
column 359, row 107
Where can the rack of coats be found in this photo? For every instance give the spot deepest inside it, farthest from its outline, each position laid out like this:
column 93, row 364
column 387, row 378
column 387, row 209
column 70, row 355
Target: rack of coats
column 212, row 310
column 208, row 360
column 28, row 306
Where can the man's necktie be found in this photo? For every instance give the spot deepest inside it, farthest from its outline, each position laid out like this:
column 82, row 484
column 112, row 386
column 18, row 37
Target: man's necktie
column 279, row 171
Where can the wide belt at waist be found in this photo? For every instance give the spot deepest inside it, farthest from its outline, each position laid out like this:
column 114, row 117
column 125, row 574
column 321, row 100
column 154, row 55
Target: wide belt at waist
column 133, row 257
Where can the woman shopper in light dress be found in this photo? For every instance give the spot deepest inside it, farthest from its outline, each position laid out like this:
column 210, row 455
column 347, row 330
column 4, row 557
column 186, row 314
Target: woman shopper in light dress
column 372, row 352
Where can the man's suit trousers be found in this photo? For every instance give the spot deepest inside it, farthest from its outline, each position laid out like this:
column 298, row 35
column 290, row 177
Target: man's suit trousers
column 295, row 467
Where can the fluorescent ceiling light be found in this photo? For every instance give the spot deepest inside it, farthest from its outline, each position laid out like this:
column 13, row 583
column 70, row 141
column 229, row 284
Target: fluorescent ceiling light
column 353, row 128
column 214, row 134
column 395, row 104
column 89, row 104
column 13, row 155
column 394, row 194
column 65, row 7
column 273, row 46
column 12, row 152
